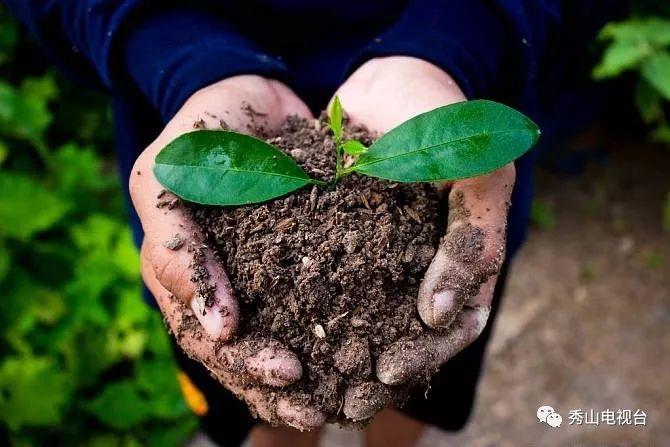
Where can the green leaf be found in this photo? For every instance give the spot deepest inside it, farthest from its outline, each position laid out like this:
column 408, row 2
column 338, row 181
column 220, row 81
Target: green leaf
column 336, row 118
column 226, row 168
column 451, row 142
column 121, row 406
column 648, row 102
column 661, row 134
column 79, row 169
column 104, row 440
column 654, row 30
column 158, row 378
column 542, row 215
column 354, row 147
column 656, row 71
column 27, row 207
column 4, row 151
column 5, row 260
column 621, row 56
column 26, row 109
column 174, row 435
column 33, row 392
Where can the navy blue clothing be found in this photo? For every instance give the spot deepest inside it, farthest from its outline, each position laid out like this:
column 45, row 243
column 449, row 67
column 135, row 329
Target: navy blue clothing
column 153, row 55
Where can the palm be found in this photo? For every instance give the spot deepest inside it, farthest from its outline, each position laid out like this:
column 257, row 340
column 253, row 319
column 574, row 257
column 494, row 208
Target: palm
column 199, row 298
column 455, row 292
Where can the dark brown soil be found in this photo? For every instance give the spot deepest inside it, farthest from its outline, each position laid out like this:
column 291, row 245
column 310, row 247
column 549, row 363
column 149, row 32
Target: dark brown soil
column 331, row 273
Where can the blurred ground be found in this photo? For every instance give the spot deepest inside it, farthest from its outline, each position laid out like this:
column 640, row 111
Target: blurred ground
column 586, row 319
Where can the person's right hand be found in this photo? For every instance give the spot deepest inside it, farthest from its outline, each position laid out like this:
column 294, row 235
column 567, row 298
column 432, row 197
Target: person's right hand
column 203, row 313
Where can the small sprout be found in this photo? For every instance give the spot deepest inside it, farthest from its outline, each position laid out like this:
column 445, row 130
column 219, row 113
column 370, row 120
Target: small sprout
column 336, row 120
column 319, row 331
column 354, row 147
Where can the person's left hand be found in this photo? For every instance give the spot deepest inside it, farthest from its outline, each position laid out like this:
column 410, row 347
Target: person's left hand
column 457, row 289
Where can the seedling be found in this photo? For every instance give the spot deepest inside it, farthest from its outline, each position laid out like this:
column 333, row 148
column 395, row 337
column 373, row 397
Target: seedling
column 467, row 139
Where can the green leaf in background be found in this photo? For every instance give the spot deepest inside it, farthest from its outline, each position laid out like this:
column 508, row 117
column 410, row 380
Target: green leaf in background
column 175, row 435
column 32, row 392
column 654, row 30
column 78, row 170
column 24, row 111
column 452, row 142
column 621, row 56
column 336, row 118
column 216, row 167
column 4, row 151
column 106, row 440
column 121, row 406
column 354, row 147
column 5, row 260
column 648, row 102
column 27, row 207
column 661, row 134
column 158, row 378
column 542, row 215
column 656, row 71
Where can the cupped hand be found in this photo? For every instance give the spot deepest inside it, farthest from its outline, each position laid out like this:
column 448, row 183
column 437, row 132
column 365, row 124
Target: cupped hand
column 456, row 292
column 196, row 298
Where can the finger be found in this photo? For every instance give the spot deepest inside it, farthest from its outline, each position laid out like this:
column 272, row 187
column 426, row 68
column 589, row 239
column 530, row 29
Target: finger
column 473, row 249
column 227, row 362
column 364, row 400
column 406, row 361
column 254, row 361
column 299, row 415
column 181, row 262
column 282, row 410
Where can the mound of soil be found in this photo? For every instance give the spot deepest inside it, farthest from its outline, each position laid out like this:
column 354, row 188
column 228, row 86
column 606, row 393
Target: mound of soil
column 331, row 273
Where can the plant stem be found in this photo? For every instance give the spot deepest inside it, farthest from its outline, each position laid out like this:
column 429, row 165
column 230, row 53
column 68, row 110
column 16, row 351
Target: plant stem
column 338, row 163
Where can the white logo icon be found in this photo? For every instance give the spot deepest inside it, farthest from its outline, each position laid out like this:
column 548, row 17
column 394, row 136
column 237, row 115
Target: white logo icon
column 547, row 415
column 554, row 420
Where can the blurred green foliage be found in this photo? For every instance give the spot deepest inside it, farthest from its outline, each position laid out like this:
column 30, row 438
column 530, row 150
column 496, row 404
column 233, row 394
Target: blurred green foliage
column 641, row 46
column 541, row 215
column 83, row 360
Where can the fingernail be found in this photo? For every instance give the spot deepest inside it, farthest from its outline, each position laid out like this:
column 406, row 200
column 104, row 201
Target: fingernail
column 274, row 367
column 300, row 416
column 475, row 320
column 444, row 307
column 210, row 317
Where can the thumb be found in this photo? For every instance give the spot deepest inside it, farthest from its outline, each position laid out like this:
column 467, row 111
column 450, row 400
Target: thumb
column 473, row 248
column 178, row 256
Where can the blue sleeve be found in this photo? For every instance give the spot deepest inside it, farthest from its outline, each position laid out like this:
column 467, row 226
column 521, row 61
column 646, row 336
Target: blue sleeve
column 166, row 51
column 490, row 47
